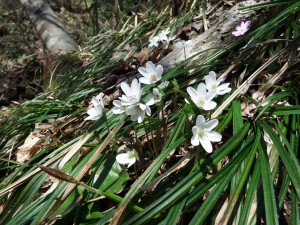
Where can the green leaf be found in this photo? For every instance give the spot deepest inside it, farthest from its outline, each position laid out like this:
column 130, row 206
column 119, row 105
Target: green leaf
column 189, row 181
column 292, row 169
column 269, row 194
column 174, row 213
column 109, row 176
column 220, row 187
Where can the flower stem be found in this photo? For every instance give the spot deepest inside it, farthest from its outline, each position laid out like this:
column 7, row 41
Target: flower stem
column 111, row 196
column 148, row 141
column 139, row 148
column 106, row 122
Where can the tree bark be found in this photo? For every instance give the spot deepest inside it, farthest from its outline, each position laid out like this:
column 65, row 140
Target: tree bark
column 51, row 31
column 222, row 22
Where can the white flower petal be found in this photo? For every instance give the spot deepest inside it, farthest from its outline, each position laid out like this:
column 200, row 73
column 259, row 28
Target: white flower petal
column 206, row 145
column 117, row 103
column 164, row 84
column 150, row 68
column 126, row 89
column 210, row 95
column 201, row 90
column 142, row 107
column 220, row 79
column 125, row 159
column 200, row 121
column 95, row 102
column 192, row 92
column 150, row 99
column 223, row 89
column 195, row 140
column 136, row 88
column 92, row 112
column 141, row 117
column 148, row 110
column 209, row 105
column 132, row 162
column 144, row 72
column 144, row 80
column 132, row 110
column 134, row 117
column 213, row 136
column 159, row 70
column 117, row 110
column 209, row 82
column 211, row 124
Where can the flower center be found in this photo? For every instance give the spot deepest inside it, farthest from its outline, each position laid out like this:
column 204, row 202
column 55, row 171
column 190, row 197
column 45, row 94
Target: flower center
column 130, row 155
column 153, row 78
column 201, row 101
column 201, row 133
column 138, row 109
column 214, row 87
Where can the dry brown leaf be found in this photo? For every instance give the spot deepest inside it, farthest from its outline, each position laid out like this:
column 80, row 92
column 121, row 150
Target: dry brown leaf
column 142, row 56
column 30, row 146
column 221, row 213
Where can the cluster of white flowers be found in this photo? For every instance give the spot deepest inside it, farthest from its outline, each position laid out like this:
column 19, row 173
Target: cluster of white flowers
column 202, row 97
column 160, row 38
column 132, row 104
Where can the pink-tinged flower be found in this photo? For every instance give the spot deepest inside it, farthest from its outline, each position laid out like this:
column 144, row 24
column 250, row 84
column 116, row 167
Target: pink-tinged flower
column 203, row 134
column 242, row 28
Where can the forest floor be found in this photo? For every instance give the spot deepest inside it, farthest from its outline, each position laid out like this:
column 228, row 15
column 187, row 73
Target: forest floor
column 22, row 56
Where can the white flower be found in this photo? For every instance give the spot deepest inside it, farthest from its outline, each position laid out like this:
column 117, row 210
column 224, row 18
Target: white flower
column 154, row 41
column 156, row 95
column 163, row 35
column 164, row 84
column 213, row 84
column 242, row 29
column 128, row 158
column 154, row 98
column 132, row 96
column 151, row 74
column 203, row 134
column 137, row 111
column 201, row 98
column 96, row 112
column 183, row 44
